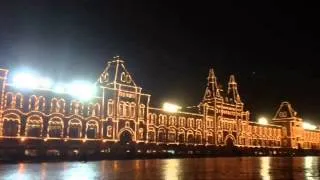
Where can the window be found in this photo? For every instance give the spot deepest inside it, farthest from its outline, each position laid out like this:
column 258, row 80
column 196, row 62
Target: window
column 127, row 124
column 33, row 103
column 110, row 107
column 109, row 131
column 42, row 103
column 132, row 110
column 18, row 100
column 9, row 100
column 141, row 112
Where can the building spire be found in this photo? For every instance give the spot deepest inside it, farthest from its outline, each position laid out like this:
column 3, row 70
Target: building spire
column 233, row 90
column 212, row 89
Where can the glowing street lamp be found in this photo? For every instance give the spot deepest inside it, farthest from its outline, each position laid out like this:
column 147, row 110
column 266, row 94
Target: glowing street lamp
column 263, row 121
column 168, row 107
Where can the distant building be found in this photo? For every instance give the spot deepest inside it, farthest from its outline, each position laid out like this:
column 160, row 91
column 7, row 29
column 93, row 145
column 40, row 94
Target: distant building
column 120, row 113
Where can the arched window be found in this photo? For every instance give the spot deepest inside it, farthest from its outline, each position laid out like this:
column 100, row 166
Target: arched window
column 54, row 107
column 163, row 119
column 191, row 122
column 127, row 109
column 42, row 103
column 141, row 111
column 61, row 105
column 140, row 133
column 11, row 125
column 92, row 129
column 182, row 121
column 74, row 128
column 76, row 107
column 33, row 103
column 127, row 124
column 198, row 138
column 110, row 107
column 121, row 108
column 34, row 126
column 181, row 136
column 132, row 109
column 161, row 135
column 9, row 100
column 172, row 120
column 151, row 135
column 153, row 119
column 171, row 135
column 55, row 127
column 19, row 100
column 199, row 123
column 97, row 109
column 90, row 109
column 109, row 131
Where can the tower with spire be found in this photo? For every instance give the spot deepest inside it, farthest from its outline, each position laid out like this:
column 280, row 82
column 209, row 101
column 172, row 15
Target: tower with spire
column 221, row 108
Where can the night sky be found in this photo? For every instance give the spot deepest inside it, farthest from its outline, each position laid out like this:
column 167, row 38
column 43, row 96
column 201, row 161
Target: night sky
column 272, row 49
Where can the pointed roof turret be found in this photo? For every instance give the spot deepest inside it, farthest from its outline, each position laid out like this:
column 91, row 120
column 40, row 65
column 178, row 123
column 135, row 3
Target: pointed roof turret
column 212, row 89
column 233, row 90
column 116, row 73
column 285, row 111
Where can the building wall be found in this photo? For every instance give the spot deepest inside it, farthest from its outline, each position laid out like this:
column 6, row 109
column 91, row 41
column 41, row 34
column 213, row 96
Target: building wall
column 121, row 112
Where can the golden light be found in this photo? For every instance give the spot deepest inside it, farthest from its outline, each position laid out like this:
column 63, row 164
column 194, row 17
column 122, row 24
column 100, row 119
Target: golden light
column 22, row 139
column 45, row 139
column 263, row 121
column 84, row 140
column 104, row 140
column 168, row 107
column 309, row 126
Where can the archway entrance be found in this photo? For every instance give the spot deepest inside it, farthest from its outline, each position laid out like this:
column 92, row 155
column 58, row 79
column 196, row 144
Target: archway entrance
column 229, row 143
column 125, row 137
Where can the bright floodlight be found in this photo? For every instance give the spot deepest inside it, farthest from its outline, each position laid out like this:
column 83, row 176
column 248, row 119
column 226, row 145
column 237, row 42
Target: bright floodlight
column 171, row 107
column 263, row 121
column 45, row 83
column 25, row 80
column 82, row 90
column 59, row 88
column 309, row 126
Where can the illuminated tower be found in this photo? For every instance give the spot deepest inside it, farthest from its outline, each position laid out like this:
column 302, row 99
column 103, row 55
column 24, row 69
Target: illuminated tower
column 124, row 104
column 287, row 117
column 233, row 93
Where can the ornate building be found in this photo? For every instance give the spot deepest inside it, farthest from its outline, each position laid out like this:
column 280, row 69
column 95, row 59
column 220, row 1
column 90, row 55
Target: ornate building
column 120, row 113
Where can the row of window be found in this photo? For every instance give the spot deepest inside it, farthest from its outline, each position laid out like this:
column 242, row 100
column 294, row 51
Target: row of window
column 172, row 137
column 126, row 109
column 259, row 130
column 227, row 125
column 34, row 127
column 174, row 121
column 39, row 103
column 312, row 136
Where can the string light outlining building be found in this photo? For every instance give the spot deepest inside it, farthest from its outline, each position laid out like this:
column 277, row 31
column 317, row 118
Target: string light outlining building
column 35, row 113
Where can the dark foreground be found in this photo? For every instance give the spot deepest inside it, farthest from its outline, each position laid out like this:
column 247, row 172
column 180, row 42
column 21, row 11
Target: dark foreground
column 195, row 168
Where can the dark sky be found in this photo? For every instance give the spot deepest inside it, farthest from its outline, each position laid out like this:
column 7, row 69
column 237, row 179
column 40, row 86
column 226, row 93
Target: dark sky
column 170, row 46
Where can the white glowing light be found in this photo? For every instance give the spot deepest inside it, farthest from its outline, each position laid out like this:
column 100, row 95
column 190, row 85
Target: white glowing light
column 309, row 126
column 171, row 107
column 29, row 81
column 82, row 90
column 24, row 80
column 263, row 121
column 45, row 83
column 59, row 88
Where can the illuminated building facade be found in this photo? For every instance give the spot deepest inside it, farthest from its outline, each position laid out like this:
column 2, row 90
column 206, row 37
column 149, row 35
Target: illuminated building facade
column 120, row 113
